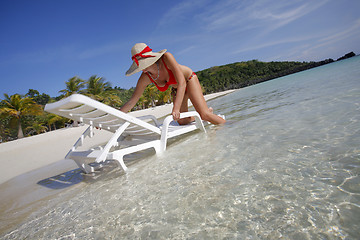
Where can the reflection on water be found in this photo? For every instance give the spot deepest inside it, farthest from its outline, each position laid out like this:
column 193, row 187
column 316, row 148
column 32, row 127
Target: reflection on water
column 285, row 166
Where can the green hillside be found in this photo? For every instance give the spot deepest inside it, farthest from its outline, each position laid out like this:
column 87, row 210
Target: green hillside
column 242, row 74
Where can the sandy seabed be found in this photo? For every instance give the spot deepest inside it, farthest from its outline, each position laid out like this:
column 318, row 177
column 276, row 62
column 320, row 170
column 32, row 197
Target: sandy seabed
column 31, row 153
column 29, row 160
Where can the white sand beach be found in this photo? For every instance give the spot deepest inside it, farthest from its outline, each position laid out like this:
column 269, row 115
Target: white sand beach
column 32, row 153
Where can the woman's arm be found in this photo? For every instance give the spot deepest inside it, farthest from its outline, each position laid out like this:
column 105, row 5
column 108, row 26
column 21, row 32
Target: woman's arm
column 180, row 79
column 140, row 87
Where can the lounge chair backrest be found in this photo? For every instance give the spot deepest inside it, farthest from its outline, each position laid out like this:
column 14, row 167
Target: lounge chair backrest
column 86, row 110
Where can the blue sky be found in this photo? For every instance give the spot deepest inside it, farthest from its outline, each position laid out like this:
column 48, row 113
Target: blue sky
column 43, row 43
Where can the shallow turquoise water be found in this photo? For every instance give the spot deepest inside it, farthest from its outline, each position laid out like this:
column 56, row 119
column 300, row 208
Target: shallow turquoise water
column 286, row 165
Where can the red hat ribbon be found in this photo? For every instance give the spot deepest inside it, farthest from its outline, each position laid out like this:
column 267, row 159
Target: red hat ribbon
column 140, row 54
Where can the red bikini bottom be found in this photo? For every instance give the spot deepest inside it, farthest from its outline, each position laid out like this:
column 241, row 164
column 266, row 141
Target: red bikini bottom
column 174, row 90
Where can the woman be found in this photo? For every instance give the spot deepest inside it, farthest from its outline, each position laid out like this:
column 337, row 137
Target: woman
column 162, row 69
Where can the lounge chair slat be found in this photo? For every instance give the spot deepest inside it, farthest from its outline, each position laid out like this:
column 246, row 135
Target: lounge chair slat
column 96, row 113
column 80, row 110
column 104, row 119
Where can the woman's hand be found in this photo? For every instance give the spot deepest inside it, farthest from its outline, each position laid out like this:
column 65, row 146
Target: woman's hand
column 176, row 114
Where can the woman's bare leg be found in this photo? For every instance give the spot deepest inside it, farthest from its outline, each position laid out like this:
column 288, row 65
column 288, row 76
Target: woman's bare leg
column 184, row 108
column 194, row 92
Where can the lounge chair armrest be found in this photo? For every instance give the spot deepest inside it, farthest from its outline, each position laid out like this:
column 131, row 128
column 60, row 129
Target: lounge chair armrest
column 170, row 118
column 152, row 117
column 195, row 114
column 189, row 114
column 165, row 127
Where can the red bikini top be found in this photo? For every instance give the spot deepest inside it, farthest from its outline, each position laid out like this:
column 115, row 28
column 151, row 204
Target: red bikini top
column 171, row 81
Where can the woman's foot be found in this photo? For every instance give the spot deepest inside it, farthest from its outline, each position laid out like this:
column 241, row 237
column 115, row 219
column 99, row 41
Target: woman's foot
column 217, row 120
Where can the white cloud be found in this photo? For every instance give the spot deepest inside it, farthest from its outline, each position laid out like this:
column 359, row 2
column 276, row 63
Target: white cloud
column 186, row 50
column 352, row 31
column 101, row 50
column 252, row 25
column 180, row 12
column 236, row 15
column 281, row 19
column 274, row 43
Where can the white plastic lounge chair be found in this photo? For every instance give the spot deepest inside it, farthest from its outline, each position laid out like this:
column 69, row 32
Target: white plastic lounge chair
column 130, row 134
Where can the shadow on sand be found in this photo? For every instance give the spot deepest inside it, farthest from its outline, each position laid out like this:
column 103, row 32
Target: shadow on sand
column 63, row 180
column 76, row 176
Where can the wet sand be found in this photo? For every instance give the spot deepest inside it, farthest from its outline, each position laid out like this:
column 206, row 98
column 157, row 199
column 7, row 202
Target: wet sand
column 31, row 153
column 35, row 169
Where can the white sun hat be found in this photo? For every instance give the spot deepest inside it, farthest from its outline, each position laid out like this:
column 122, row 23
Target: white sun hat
column 143, row 57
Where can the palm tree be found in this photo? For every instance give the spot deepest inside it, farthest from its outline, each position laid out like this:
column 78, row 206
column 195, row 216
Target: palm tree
column 73, row 85
column 101, row 90
column 37, row 128
column 96, row 86
column 15, row 107
column 52, row 119
column 141, row 103
column 150, row 94
column 4, row 132
column 112, row 100
column 164, row 97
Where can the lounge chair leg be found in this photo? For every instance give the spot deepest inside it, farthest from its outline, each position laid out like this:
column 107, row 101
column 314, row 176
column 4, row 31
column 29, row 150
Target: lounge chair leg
column 121, row 163
column 84, row 167
column 87, row 168
column 158, row 148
